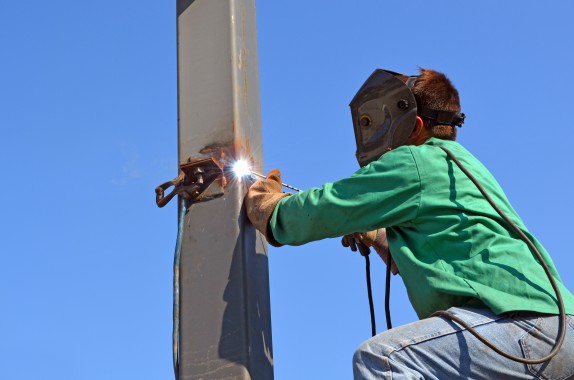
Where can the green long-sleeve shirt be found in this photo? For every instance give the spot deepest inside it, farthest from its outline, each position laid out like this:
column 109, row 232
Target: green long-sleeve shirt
column 450, row 246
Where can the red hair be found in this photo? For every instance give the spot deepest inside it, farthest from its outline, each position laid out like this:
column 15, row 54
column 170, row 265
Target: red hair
column 435, row 91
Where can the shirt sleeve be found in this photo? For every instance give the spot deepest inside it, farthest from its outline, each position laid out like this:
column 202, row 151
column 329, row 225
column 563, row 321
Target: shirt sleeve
column 382, row 194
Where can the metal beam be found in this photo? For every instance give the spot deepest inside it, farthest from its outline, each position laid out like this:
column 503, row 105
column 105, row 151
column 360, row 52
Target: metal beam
column 225, row 329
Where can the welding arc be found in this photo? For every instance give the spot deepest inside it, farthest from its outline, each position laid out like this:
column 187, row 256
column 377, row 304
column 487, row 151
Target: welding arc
column 282, row 184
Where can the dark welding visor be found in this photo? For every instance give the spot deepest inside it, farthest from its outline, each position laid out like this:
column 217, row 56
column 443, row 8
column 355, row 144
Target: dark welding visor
column 384, row 112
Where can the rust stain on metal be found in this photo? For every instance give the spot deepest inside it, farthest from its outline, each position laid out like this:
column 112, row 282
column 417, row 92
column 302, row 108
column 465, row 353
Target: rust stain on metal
column 227, row 155
column 223, row 156
column 244, row 149
column 207, row 174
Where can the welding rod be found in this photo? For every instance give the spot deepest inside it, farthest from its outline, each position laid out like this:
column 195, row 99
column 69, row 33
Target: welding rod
column 283, row 184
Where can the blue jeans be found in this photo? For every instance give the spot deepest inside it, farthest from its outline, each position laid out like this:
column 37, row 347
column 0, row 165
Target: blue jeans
column 436, row 348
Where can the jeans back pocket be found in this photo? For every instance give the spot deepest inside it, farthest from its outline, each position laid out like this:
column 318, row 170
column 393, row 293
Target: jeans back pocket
column 540, row 340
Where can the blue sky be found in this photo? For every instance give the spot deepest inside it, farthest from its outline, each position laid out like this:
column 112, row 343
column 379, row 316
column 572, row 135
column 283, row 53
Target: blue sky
column 88, row 117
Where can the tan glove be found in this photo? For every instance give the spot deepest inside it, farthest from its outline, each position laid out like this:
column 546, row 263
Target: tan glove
column 261, row 200
column 376, row 239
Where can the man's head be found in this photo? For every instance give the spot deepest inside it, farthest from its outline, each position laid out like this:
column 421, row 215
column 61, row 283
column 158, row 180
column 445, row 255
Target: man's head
column 435, row 91
column 393, row 109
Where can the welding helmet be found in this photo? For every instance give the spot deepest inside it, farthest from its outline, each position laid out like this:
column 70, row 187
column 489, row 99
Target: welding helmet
column 384, row 112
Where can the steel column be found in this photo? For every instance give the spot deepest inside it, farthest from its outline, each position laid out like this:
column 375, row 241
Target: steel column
column 225, row 329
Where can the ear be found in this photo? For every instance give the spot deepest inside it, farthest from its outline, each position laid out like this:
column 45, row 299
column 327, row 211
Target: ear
column 418, row 128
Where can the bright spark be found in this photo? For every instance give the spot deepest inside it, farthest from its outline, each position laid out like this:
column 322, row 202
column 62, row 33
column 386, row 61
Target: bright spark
column 241, row 168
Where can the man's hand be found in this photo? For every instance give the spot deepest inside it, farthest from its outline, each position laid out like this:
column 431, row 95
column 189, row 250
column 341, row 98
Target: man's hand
column 376, row 239
column 261, row 200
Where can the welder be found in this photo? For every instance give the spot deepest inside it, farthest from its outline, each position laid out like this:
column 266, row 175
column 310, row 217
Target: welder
column 434, row 213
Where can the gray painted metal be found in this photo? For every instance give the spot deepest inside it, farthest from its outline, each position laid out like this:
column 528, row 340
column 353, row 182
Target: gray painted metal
column 182, row 5
column 225, row 329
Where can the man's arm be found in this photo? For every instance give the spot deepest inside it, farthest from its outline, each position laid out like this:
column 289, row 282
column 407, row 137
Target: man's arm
column 383, row 193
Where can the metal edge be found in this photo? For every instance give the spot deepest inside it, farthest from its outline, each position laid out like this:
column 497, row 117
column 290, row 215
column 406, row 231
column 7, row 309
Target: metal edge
column 182, row 5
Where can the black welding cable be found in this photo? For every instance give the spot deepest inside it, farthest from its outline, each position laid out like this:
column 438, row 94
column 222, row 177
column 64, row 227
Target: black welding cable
column 370, row 294
column 388, row 296
column 533, row 248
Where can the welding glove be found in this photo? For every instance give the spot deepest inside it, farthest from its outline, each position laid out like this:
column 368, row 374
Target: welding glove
column 261, row 200
column 376, row 239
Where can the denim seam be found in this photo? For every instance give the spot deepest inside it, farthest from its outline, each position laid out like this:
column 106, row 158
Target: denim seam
column 389, row 368
column 528, row 350
column 444, row 332
column 525, row 323
column 524, row 342
column 455, row 328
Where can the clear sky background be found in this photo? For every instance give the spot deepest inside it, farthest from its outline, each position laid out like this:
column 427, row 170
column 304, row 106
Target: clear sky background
column 88, row 120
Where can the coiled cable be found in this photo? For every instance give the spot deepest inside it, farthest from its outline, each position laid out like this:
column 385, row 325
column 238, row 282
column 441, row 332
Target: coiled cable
column 470, row 329
column 522, row 235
